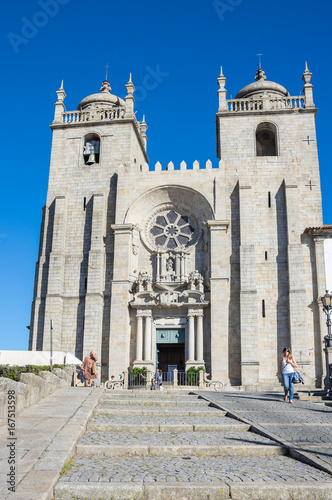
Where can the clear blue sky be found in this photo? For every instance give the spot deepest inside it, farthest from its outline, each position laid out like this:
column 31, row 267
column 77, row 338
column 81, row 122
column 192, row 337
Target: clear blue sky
column 184, row 42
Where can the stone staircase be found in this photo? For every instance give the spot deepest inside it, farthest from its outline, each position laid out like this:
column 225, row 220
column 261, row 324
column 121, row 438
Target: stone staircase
column 160, row 445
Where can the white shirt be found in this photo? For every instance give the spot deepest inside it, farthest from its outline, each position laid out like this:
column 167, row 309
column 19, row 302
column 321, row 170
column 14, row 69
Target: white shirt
column 286, row 367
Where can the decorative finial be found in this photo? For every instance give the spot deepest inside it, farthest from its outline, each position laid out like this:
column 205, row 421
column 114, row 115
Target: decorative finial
column 221, row 73
column 105, row 86
column 106, row 70
column 61, row 93
column 130, row 86
column 260, row 75
column 307, row 74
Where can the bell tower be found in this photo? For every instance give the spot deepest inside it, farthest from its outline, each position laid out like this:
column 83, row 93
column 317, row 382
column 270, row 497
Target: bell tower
column 74, row 268
column 267, row 140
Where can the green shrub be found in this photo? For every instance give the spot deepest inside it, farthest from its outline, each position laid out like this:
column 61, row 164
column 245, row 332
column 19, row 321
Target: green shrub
column 135, row 374
column 14, row 372
column 192, row 375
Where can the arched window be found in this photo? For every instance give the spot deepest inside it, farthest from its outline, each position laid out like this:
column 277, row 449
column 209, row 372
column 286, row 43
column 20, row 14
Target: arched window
column 91, row 149
column 266, row 140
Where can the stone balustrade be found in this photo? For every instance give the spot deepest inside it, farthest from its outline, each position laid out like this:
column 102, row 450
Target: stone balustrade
column 265, row 103
column 95, row 115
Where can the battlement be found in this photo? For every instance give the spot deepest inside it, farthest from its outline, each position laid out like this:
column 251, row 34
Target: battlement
column 183, row 167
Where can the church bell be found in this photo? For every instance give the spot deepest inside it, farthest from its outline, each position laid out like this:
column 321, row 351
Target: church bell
column 91, row 159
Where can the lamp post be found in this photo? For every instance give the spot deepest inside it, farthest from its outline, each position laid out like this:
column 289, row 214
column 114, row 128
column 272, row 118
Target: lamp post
column 51, row 342
column 327, row 308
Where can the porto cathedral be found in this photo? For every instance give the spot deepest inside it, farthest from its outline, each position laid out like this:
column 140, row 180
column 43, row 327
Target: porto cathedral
column 217, row 266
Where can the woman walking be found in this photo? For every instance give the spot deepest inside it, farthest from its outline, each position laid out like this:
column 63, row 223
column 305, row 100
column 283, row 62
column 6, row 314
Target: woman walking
column 287, row 367
column 89, row 368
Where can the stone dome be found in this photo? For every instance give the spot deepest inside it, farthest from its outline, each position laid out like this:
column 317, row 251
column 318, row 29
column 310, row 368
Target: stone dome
column 260, row 86
column 103, row 99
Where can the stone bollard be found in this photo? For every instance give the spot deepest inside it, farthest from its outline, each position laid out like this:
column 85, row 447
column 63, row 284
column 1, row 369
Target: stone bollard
column 149, row 376
column 125, row 380
column 201, row 379
column 175, row 377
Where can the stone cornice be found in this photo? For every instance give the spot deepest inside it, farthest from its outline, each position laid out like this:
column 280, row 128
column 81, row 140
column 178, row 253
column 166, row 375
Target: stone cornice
column 123, row 228
column 218, row 225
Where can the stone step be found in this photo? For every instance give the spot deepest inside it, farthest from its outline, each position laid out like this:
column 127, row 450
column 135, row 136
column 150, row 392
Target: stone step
column 167, row 427
column 155, row 403
column 173, row 438
column 146, row 394
column 155, row 412
column 296, row 490
column 166, row 419
column 191, row 477
column 179, row 451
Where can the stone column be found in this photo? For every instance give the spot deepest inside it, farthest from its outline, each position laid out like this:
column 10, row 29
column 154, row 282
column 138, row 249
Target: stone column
column 177, row 265
column 139, row 338
column 94, row 298
column 55, row 248
column 296, row 276
column 147, row 338
column 119, row 316
column 162, row 264
column 191, row 328
column 248, row 291
column 219, row 298
column 182, row 266
column 199, row 338
column 37, row 330
column 157, row 266
column 321, row 288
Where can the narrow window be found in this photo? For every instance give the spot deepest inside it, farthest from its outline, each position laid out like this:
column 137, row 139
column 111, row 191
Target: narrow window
column 91, row 149
column 85, row 283
column 265, row 255
column 269, row 199
column 263, row 308
column 84, row 203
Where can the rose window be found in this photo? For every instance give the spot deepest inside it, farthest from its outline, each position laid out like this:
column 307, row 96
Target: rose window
column 171, row 230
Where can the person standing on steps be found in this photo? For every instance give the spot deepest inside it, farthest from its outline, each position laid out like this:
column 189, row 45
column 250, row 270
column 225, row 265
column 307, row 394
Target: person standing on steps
column 287, row 367
column 89, row 368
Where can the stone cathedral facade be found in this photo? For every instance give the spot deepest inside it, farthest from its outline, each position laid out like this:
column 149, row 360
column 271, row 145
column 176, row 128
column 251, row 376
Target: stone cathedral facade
column 204, row 266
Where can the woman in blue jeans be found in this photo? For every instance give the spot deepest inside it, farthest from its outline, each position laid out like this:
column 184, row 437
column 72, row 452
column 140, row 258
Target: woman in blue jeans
column 287, row 369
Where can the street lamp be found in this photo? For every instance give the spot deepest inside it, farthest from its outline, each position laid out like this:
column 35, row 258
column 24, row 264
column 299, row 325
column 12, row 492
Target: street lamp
column 327, row 308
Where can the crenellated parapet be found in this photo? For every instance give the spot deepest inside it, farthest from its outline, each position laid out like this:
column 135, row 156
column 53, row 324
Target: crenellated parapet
column 183, row 167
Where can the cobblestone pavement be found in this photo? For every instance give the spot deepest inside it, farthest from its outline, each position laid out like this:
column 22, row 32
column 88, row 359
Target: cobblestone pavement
column 194, row 469
column 174, row 438
column 302, row 423
column 163, row 420
column 130, row 459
